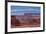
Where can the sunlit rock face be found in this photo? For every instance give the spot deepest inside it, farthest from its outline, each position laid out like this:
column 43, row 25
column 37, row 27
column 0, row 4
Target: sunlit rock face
column 24, row 21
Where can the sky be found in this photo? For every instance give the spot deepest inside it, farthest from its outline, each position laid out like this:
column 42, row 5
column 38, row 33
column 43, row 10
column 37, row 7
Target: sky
column 20, row 10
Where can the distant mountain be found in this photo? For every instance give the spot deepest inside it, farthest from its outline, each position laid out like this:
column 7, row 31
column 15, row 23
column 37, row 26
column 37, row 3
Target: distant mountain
column 31, row 13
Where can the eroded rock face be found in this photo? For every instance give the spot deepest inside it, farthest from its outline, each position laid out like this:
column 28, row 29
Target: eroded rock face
column 25, row 22
column 14, row 21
